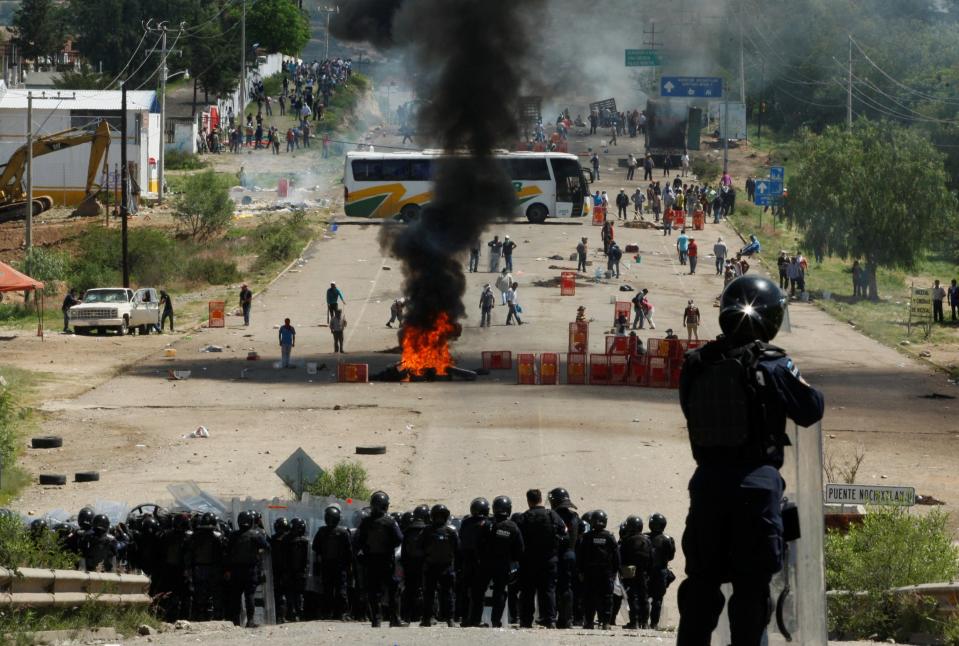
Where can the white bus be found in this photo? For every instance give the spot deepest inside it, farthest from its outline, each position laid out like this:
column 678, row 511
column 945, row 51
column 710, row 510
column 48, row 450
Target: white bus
column 397, row 185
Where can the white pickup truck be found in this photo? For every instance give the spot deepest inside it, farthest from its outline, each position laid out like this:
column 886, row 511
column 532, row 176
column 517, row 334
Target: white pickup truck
column 116, row 308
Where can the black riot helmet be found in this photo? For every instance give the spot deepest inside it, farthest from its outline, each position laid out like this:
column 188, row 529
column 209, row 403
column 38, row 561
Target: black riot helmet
column 85, row 518
column 657, row 523
column 38, row 527
column 257, row 518
column 406, row 520
column 422, row 513
column 632, row 526
column 502, row 506
column 587, row 518
column 360, row 515
column 244, row 520
column 207, row 521
column 557, row 496
column 479, row 507
column 750, row 308
column 149, row 525
column 101, row 524
column 380, row 503
column 298, row 527
column 599, row 519
column 332, row 516
column 181, row 522
column 439, row 515
column 281, row 526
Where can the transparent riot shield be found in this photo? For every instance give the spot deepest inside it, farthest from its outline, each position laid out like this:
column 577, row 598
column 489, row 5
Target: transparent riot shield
column 799, row 590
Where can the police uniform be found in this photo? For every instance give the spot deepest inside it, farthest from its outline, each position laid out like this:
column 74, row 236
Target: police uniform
column 173, row 574
column 734, row 526
column 501, row 549
column 598, row 563
column 205, row 556
column 280, row 560
column 659, row 576
column 440, row 546
column 467, row 563
column 635, row 552
column 333, row 550
column 543, row 530
column 567, row 583
column 376, row 539
column 298, row 568
column 244, row 568
column 411, row 558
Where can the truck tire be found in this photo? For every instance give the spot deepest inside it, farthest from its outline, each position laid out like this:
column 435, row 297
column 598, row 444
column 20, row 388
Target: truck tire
column 86, row 476
column 54, row 479
column 46, row 442
column 370, row 450
column 536, row 213
column 143, row 330
column 124, row 328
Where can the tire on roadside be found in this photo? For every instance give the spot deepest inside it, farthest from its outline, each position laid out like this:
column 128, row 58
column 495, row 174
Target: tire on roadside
column 52, row 479
column 86, row 476
column 371, row 450
column 46, row 442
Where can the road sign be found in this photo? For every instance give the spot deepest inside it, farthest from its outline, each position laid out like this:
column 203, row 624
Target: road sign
column 643, row 58
column 853, row 494
column 765, row 200
column 769, row 187
column 777, row 172
column 710, row 87
column 298, row 471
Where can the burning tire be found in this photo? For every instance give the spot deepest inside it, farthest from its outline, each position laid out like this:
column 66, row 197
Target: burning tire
column 52, row 479
column 370, row 450
column 46, row 442
column 536, row 213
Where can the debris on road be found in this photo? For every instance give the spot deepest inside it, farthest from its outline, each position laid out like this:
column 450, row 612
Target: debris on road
column 211, row 348
column 201, row 431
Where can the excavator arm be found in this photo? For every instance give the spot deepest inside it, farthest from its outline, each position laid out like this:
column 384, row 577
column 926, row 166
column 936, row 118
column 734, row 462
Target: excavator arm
column 11, row 176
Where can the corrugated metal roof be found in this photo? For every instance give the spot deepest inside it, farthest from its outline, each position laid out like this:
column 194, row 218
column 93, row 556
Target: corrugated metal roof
column 16, row 99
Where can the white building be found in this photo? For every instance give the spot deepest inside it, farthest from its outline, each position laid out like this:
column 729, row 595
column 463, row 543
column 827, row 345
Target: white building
column 63, row 174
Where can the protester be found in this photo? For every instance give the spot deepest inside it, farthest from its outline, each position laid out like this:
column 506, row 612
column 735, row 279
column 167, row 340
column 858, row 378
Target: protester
column 246, row 303
column 487, row 301
column 719, row 250
column 396, row 312
column 503, row 283
column 691, row 321
column 682, row 246
column 333, row 297
column 71, row 299
column 938, row 295
column 166, row 307
column 954, row 298
column 512, row 302
column 337, row 327
column 508, row 247
column 581, row 255
column 692, row 254
column 622, row 202
column 287, row 342
column 495, row 248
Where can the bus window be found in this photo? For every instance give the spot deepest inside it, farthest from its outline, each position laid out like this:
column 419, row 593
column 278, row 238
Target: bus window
column 421, row 170
column 396, row 170
column 528, row 169
column 367, row 170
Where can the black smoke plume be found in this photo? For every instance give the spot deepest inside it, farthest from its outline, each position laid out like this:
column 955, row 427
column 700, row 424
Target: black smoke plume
column 468, row 58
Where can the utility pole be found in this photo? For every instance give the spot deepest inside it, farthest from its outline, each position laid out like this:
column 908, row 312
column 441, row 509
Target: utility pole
column 242, row 108
column 29, row 230
column 725, row 130
column 762, row 103
column 849, row 88
column 163, row 77
column 124, row 210
column 329, row 12
column 651, row 43
column 742, row 67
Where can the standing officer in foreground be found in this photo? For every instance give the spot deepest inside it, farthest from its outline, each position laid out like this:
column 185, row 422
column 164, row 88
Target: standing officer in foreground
column 736, row 393
column 376, row 539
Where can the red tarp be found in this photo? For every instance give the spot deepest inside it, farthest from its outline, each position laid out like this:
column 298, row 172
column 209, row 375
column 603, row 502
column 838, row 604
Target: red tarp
column 12, row 280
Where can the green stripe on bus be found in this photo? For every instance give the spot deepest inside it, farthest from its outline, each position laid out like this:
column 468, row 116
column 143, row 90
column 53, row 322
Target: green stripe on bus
column 366, row 207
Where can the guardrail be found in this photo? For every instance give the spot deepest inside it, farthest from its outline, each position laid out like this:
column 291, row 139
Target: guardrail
column 39, row 587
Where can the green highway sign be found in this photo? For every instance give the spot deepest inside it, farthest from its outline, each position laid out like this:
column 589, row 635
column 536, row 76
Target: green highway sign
column 643, row 58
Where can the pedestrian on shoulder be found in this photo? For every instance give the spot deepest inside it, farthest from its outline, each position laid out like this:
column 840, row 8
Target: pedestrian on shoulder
column 246, row 303
column 287, row 342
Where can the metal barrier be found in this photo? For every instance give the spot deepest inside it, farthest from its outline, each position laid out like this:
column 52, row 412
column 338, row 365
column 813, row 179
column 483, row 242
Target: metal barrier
column 39, row 587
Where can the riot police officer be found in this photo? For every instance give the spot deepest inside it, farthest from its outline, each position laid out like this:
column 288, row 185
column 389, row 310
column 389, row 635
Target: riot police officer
column 205, row 556
column 500, row 549
column 660, row 576
column 71, row 541
column 736, row 393
column 567, row 583
column 376, row 539
column 635, row 556
column 298, row 566
column 173, row 575
column 411, row 558
column 543, row 534
column 598, row 563
column 247, row 544
column 98, row 547
column 467, row 561
column 333, row 561
column 279, row 560
column 440, row 545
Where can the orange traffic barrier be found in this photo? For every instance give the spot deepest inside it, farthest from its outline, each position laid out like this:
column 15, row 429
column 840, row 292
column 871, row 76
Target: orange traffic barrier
column 657, row 372
column 567, row 283
column 675, row 367
column 576, row 368
column 636, row 375
column 624, row 308
column 699, row 220
column 599, row 216
column 617, row 344
column 599, row 372
column 353, row 373
column 498, row 360
column 217, row 314
column 578, row 337
column 526, row 368
column 549, row 368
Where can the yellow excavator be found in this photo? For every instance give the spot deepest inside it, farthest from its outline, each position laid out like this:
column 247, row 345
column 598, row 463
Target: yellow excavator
column 13, row 196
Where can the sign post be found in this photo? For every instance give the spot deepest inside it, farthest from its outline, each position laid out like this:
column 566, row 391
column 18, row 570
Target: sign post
column 298, row 471
column 853, row 494
column 920, row 309
column 643, row 58
column 691, row 87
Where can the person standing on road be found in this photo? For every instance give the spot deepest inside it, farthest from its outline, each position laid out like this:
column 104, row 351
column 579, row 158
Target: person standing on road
column 594, row 160
column 684, row 160
column 439, row 544
column 333, row 297
column 938, row 295
column 503, row 282
column 495, row 247
column 501, row 550
column 635, row 555
column 692, row 253
column 487, row 301
column 607, row 234
column 377, row 538
column 474, row 257
column 622, row 202
column 691, row 321
column 647, row 309
column 682, row 246
column 613, row 258
column 337, row 326
column 512, row 301
column 166, row 306
column 543, row 531
column 508, row 246
column 71, row 299
column 630, row 167
column 597, row 558
column 246, row 303
column 581, row 255
column 648, row 167
column 638, row 199
column 954, row 298
column 734, row 528
column 287, row 341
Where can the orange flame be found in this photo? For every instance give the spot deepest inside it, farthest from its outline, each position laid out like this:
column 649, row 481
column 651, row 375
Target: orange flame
column 425, row 349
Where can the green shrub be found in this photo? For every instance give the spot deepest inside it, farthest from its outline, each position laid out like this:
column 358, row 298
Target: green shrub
column 279, row 240
column 12, row 416
column 182, row 160
column 214, row 271
column 154, row 258
column 49, row 267
column 19, row 549
column 205, row 208
column 705, row 169
column 16, row 624
column 346, row 480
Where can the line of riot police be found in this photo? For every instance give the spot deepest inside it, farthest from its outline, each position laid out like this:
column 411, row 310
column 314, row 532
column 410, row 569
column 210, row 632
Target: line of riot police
column 418, row 566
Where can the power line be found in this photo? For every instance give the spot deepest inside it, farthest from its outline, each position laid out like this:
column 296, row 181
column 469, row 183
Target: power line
column 130, row 60
column 891, row 111
column 896, row 81
column 196, row 28
column 163, row 60
column 814, row 103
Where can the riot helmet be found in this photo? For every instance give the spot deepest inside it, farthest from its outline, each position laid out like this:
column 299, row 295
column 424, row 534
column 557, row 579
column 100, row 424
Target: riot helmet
column 298, row 527
column 380, row 503
column 406, row 520
column 439, row 515
column 657, row 523
column 85, row 518
column 587, row 519
column 281, row 526
column 479, row 507
column 557, row 496
column 750, row 308
column 149, row 525
column 181, row 522
column 332, row 516
column 38, row 527
column 633, row 525
column 244, row 520
column 207, row 520
column 502, row 506
column 257, row 518
column 422, row 513
column 101, row 524
column 599, row 519
column 360, row 515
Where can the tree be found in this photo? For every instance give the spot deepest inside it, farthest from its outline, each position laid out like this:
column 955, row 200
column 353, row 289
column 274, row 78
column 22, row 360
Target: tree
column 877, row 192
column 86, row 78
column 39, row 29
column 278, row 26
column 205, row 208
